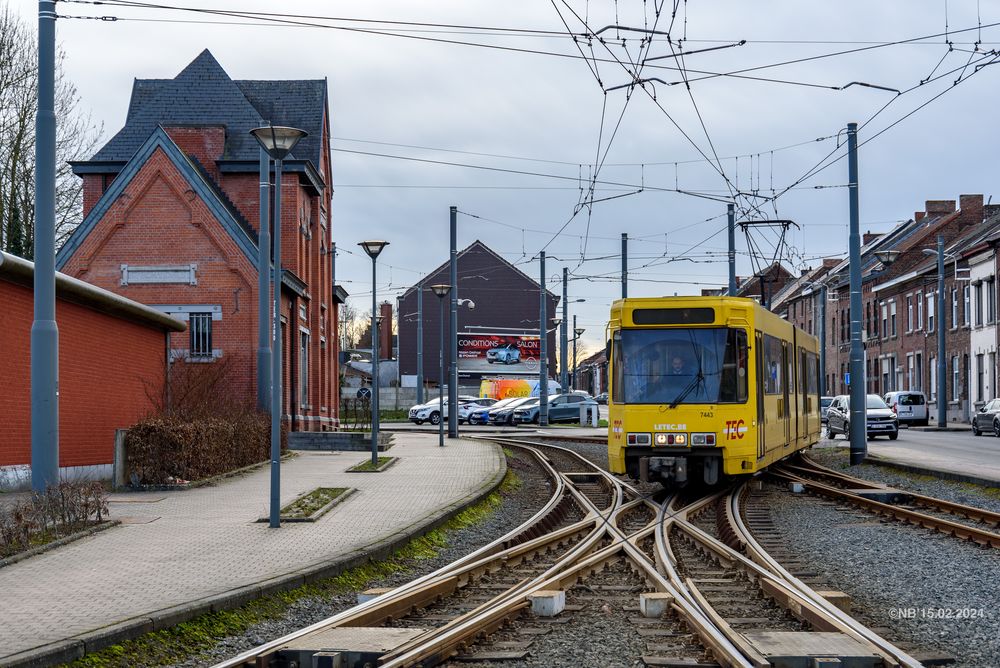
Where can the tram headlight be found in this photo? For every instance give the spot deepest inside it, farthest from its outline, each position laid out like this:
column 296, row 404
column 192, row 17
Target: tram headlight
column 707, row 438
column 670, row 439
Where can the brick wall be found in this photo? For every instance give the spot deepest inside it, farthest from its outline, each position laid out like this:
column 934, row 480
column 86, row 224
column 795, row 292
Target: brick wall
column 108, row 370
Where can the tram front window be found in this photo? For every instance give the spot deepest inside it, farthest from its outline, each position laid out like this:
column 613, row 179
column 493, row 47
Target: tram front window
column 681, row 366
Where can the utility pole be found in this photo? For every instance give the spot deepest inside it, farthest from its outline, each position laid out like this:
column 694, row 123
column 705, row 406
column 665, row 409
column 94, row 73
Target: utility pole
column 453, row 330
column 420, row 343
column 575, row 337
column 44, row 330
column 563, row 338
column 624, row 265
column 543, row 366
column 264, row 286
column 732, row 249
column 942, row 366
column 858, row 429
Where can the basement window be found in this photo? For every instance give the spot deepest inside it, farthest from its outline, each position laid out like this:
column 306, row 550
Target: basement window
column 200, row 329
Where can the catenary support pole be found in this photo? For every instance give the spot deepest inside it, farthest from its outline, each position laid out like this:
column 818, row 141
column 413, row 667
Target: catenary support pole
column 624, row 265
column 543, row 351
column 731, row 211
column 575, row 337
column 563, row 338
column 453, row 330
column 942, row 363
column 276, row 389
column 420, row 343
column 858, row 400
column 264, row 286
column 44, row 331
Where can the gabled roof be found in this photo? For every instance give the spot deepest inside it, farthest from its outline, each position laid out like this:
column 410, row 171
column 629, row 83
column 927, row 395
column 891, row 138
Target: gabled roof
column 203, row 94
column 477, row 245
column 244, row 237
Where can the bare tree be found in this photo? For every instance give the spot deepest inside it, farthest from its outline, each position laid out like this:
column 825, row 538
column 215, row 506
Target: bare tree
column 77, row 137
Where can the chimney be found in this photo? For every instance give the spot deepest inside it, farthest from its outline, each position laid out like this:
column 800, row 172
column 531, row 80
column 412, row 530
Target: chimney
column 971, row 206
column 385, row 332
column 918, row 216
column 868, row 237
column 804, row 272
column 940, row 206
column 831, row 262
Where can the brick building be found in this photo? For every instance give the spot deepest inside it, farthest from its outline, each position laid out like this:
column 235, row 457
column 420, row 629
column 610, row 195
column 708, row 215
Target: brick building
column 112, row 368
column 171, row 215
column 506, row 302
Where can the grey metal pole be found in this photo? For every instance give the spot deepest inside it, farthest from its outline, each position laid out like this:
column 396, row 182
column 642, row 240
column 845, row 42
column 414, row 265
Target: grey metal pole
column 942, row 365
column 375, row 415
column 276, row 390
column 859, row 436
column 264, row 286
column 543, row 352
column 420, row 343
column 731, row 210
column 575, row 337
column 453, row 329
column 440, row 385
column 563, row 338
column 822, row 339
column 44, row 330
column 624, row 265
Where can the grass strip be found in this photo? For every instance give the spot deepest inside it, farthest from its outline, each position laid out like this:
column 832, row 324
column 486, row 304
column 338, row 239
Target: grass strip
column 368, row 466
column 306, row 505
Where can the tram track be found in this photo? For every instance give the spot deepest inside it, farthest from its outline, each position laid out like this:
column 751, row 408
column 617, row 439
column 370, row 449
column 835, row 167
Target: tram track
column 675, row 591
column 968, row 523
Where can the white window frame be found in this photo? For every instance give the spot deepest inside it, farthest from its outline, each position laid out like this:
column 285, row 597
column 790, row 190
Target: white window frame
column 954, row 308
column 966, row 304
column 909, row 313
column 954, row 378
column 893, row 326
column 933, row 387
column 930, row 312
column 920, row 311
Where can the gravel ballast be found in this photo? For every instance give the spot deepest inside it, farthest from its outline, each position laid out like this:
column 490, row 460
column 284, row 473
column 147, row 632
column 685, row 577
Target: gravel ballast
column 902, row 578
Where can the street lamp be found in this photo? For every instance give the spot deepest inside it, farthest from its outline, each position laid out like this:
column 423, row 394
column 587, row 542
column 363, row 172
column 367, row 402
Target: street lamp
column 373, row 248
column 942, row 366
column 577, row 331
column 441, row 290
column 278, row 142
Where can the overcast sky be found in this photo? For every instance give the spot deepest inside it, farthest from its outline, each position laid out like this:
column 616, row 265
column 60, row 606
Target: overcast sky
column 537, row 104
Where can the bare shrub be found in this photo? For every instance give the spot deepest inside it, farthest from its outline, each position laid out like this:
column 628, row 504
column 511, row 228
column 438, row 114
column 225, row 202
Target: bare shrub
column 61, row 510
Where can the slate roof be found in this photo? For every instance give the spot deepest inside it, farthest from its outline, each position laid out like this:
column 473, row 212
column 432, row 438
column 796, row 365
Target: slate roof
column 203, row 95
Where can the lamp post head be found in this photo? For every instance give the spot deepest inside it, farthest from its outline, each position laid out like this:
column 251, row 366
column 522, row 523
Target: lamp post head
column 373, row 247
column 578, row 331
column 441, row 289
column 556, row 321
column 278, row 140
column 887, row 257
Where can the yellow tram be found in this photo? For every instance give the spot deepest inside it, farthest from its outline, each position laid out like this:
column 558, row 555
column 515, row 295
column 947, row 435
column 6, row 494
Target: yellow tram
column 703, row 387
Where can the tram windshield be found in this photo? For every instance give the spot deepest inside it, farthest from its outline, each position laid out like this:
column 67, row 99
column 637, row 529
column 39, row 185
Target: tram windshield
column 680, row 365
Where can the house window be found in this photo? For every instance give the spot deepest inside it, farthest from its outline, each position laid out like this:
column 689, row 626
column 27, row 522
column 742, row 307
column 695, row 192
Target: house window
column 200, row 330
column 954, row 378
column 892, row 316
column 979, row 304
column 991, row 301
column 933, row 387
column 954, row 308
column 918, row 371
column 885, row 320
column 966, row 311
column 930, row 312
column 304, row 369
column 920, row 311
column 980, row 371
column 910, row 383
column 992, row 378
column 909, row 313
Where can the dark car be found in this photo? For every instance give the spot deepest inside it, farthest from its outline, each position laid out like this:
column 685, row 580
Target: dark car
column 879, row 418
column 481, row 414
column 562, row 408
column 505, row 414
column 987, row 419
column 602, row 398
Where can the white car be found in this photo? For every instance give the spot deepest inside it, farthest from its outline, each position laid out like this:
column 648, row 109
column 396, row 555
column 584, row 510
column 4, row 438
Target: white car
column 431, row 411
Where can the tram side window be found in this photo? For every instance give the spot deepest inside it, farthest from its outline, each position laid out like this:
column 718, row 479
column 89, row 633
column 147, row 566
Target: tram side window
column 773, row 363
column 734, row 368
column 618, row 370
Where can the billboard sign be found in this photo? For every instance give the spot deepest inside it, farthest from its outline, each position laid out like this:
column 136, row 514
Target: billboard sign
column 497, row 353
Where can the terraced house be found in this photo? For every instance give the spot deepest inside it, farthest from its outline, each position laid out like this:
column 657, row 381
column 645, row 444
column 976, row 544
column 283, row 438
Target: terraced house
column 171, row 217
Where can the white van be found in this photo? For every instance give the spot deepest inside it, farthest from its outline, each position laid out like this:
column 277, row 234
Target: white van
column 910, row 407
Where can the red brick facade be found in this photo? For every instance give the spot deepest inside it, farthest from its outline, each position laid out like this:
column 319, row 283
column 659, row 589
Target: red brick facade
column 111, row 369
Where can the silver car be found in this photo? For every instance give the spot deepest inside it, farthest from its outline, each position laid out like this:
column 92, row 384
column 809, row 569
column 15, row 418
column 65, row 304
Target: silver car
column 879, row 418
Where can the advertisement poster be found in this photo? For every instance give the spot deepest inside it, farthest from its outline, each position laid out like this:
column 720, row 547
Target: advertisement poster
column 497, row 353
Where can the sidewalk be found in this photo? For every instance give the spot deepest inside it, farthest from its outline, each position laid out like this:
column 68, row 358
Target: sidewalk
column 178, row 554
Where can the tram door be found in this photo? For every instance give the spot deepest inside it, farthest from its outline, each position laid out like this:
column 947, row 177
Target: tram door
column 786, row 391
column 761, row 413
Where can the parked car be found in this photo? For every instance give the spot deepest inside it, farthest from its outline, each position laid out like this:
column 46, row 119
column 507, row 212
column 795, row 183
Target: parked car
column 507, row 353
column 466, row 409
column 824, row 405
column 987, row 419
column 910, row 407
column 500, row 415
column 602, row 398
column 481, row 414
column 562, row 408
column 430, row 411
column 879, row 418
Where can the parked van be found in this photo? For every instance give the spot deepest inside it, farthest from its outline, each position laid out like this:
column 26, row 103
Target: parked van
column 910, row 407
